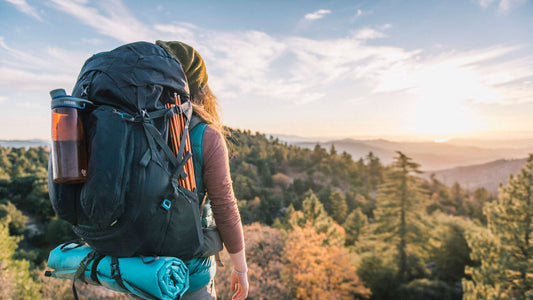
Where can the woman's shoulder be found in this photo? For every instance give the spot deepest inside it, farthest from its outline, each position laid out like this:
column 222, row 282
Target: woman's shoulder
column 213, row 135
column 214, row 142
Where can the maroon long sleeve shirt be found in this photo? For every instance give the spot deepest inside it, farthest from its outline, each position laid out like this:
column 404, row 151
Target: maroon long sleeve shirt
column 217, row 180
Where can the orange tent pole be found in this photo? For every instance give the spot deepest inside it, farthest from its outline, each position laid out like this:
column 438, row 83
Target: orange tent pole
column 189, row 169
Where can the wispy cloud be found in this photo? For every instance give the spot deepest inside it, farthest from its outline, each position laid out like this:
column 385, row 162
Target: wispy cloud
column 319, row 14
column 504, row 6
column 51, row 67
column 507, row 5
column 479, row 76
column 178, row 32
column 242, row 61
column 368, row 34
column 47, row 59
column 24, row 7
column 247, row 63
column 111, row 18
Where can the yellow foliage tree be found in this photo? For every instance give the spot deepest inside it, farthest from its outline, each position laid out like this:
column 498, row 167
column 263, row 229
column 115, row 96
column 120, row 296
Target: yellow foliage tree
column 316, row 270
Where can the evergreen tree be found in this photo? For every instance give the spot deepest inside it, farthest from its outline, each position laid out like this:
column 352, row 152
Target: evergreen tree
column 355, row 222
column 399, row 214
column 508, row 268
column 315, row 214
column 338, row 206
column 375, row 171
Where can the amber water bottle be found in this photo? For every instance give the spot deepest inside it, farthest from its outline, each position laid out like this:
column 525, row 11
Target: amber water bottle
column 69, row 154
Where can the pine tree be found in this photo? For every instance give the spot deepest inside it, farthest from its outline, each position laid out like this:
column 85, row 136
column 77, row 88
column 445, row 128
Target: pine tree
column 375, row 171
column 338, row 207
column 399, row 212
column 508, row 269
column 355, row 222
column 315, row 214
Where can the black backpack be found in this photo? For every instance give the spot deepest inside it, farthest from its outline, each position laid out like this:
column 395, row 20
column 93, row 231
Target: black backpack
column 132, row 202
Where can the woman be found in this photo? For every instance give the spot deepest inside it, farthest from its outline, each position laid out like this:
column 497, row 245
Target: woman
column 214, row 179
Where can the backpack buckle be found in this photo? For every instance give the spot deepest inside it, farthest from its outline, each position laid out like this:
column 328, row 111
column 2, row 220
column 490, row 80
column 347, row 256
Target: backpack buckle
column 145, row 116
column 114, row 270
column 166, row 204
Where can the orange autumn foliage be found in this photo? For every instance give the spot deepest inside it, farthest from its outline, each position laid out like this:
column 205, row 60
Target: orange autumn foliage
column 315, row 270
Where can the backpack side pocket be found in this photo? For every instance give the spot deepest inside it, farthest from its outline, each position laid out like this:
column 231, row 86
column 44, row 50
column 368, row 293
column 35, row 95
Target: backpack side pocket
column 103, row 194
column 63, row 197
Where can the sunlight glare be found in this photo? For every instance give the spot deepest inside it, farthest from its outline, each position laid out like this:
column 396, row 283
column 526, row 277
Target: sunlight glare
column 444, row 91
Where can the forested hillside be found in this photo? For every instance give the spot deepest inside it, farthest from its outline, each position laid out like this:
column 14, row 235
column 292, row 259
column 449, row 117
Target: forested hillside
column 488, row 175
column 318, row 225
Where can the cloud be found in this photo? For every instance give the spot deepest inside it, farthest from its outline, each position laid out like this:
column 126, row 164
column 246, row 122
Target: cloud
column 478, row 76
column 241, row 61
column 299, row 70
column 319, row 14
column 485, row 3
column 48, row 59
column 110, row 18
column 177, row 32
column 368, row 34
column 504, row 6
column 50, row 67
column 24, row 7
column 507, row 5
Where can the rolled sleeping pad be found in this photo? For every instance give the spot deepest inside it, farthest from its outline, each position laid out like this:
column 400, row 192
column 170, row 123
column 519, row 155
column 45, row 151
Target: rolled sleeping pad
column 147, row 277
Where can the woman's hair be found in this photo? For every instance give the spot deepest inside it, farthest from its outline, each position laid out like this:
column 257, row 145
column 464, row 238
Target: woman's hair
column 206, row 106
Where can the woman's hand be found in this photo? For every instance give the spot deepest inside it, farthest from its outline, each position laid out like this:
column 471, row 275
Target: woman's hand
column 239, row 275
column 239, row 283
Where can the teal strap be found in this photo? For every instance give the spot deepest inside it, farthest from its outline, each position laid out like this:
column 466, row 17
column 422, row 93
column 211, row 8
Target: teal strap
column 201, row 269
column 197, row 141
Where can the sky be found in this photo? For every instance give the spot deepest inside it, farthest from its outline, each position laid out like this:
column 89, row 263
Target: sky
column 418, row 69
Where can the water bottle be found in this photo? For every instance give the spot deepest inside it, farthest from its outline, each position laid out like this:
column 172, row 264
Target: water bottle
column 69, row 154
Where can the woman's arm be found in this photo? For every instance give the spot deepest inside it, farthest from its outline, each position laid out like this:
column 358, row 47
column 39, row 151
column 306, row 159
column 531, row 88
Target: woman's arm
column 217, row 179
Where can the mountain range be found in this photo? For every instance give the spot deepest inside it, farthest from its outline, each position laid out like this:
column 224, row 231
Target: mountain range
column 472, row 163
column 432, row 156
column 25, row 143
column 488, row 175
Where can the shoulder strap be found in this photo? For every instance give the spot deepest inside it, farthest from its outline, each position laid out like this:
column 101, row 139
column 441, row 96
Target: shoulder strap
column 195, row 120
column 197, row 141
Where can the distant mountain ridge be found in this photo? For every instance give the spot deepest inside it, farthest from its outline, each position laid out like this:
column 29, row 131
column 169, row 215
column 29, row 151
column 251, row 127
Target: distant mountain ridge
column 25, row 143
column 488, row 175
column 431, row 155
column 472, row 163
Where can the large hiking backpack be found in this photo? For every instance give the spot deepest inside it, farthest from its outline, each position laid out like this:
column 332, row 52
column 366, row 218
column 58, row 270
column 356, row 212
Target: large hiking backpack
column 132, row 202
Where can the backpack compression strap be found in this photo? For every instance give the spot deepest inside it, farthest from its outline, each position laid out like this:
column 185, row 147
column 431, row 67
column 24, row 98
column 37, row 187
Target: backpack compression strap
column 154, row 137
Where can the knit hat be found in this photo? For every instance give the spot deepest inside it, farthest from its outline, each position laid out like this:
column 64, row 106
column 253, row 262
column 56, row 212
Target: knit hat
column 191, row 62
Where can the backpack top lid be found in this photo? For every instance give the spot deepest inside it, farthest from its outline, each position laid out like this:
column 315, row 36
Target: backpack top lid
column 134, row 77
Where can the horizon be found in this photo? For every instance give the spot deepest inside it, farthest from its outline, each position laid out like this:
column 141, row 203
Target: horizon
column 364, row 70
column 515, row 140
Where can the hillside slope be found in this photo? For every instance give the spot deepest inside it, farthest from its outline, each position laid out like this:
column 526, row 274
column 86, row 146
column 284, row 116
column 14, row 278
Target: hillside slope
column 487, row 175
column 431, row 156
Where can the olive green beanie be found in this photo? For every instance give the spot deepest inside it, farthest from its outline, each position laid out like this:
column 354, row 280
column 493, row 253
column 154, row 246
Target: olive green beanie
column 191, row 62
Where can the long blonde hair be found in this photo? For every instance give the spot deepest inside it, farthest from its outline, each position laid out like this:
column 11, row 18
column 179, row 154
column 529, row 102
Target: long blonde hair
column 206, row 106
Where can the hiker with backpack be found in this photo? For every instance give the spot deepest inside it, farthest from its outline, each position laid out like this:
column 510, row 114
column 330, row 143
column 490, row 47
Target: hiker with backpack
column 156, row 191
column 215, row 171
